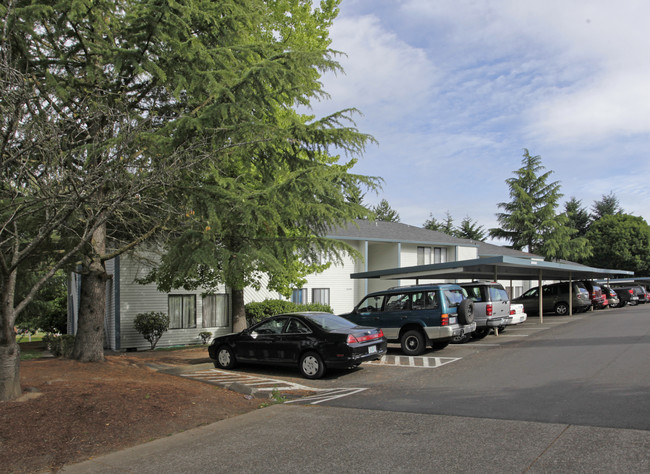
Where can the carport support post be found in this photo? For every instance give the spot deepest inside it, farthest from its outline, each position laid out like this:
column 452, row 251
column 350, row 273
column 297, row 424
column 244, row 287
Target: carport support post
column 541, row 306
column 570, row 294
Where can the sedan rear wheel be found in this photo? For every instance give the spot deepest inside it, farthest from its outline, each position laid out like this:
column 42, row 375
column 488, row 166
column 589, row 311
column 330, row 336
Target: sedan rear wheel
column 312, row 366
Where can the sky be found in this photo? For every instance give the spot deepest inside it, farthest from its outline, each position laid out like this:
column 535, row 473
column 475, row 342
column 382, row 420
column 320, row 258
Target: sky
column 455, row 90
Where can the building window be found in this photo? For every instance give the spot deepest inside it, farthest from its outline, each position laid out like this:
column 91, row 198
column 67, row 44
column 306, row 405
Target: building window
column 299, row 296
column 439, row 255
column 215, row 311
column 424, row 255
column 182, row 311
column 320, row 295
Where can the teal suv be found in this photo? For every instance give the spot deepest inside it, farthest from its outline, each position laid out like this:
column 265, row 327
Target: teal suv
column 417, row 316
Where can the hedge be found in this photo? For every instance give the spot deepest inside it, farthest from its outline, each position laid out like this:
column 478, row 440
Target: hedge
column 256, row 312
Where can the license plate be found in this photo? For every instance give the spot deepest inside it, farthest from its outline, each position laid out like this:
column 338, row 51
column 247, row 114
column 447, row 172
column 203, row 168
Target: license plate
column 372, row 349
column 453, row 320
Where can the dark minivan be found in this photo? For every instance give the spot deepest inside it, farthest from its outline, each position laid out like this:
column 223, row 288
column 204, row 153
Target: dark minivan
column 417, row 316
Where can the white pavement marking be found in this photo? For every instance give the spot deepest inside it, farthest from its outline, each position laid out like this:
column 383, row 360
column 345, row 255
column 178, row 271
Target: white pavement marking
column 411, row 361
column 226, row 379
column 327, row 395
column 261, row 383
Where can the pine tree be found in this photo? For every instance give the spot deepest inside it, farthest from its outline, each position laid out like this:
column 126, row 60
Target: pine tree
column 530, row 221
column 383, row 212
column 470, row 229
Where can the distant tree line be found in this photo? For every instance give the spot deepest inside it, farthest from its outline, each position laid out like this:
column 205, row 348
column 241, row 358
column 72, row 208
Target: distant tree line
column 604, row 236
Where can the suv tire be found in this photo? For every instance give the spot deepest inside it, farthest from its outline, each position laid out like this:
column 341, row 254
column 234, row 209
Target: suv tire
column 466, row 311
column 413, row 343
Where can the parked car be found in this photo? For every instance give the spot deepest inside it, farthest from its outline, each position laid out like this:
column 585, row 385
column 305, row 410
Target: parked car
column 555, row 298
column 641, row 292
column 314, row 342
column 517, row 314
column 417, row 316
column 491, row 306
column 595, row 293
column 626, row 295
column 613, row 300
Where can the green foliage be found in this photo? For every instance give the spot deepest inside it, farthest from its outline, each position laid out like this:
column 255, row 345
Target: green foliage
column 59, row 345
column 48, row 309
column 578, row 216
column 383, row 212
column 275, row 398
column 470, row 229
column 622, row 242
column 446, row 227
column 257, row 311
column 530, row 221
column 152, row 326
column 607, row 206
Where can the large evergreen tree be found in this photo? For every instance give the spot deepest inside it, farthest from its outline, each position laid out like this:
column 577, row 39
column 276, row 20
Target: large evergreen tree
column 149, row 96
column 470, row 229
column 446, row 226
column 529, row 221
column 383, row 212
column 578, row 216
column 608, row 205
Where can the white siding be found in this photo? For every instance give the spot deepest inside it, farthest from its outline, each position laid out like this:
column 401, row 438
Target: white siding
column 344, row 291
column 136, row 298
column 466, row 253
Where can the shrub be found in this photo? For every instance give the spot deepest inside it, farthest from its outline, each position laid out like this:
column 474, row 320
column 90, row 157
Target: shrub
column 256, row 312
column 151, row 325
column 59, row 345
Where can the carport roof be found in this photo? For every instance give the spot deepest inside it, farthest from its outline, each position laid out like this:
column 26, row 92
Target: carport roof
column 495, row 268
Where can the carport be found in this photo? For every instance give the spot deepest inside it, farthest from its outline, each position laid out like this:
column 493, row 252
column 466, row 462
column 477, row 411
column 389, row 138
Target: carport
column 498, row 268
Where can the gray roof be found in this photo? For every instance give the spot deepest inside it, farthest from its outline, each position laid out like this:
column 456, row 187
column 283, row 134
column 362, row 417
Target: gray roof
column 382, row 231
column 501, row 267
column 397, row 232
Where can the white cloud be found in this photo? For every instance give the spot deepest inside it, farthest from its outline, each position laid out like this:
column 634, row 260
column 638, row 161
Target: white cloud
column 382, row 73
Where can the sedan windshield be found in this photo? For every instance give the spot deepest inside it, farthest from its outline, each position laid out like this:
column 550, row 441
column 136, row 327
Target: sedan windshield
column 328, row 322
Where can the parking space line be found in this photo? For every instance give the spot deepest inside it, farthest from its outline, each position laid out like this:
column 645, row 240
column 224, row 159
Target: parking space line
column 413, row 361
column 327, row 395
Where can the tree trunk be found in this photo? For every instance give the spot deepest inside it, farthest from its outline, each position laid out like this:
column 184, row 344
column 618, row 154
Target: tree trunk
column 238, row 311
column 89, row 340
column 9, row 370
column 9, row 349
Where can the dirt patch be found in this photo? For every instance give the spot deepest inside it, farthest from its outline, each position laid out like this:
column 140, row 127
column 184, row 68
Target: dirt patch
column 71, row 411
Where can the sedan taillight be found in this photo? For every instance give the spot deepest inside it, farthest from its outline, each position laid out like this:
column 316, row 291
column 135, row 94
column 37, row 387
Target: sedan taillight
column 369, row 337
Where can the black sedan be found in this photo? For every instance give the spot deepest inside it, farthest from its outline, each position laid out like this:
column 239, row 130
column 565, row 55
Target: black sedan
column 312, row 341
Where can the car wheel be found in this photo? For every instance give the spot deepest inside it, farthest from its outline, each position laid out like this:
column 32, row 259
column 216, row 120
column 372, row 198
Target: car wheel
column 466, row 311
column 561, row 309
column 480, row 333
column 413, row 343
column 312, row 366
column 225, row 358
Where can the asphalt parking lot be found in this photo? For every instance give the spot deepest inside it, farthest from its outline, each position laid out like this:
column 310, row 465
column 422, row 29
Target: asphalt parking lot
column 263, row 382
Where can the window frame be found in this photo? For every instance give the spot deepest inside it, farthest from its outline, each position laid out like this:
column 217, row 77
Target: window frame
column 185, row 298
